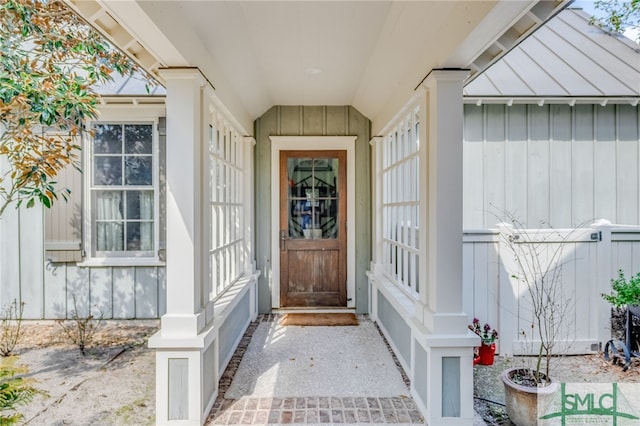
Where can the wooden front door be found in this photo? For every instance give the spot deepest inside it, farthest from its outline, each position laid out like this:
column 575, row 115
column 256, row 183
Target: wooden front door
column 313, row 232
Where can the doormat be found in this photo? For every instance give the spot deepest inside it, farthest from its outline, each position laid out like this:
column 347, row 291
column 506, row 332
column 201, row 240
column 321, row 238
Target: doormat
column 319, row 319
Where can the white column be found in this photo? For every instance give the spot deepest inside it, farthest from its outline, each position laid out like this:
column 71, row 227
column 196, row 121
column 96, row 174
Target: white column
column 443, row 387
column 185, row 315
column 186, row 345
column 443, row 213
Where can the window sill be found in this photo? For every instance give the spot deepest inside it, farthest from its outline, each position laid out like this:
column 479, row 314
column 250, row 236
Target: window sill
column 125, row 261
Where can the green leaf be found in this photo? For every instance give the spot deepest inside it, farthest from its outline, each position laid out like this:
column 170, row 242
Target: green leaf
column 45, row 200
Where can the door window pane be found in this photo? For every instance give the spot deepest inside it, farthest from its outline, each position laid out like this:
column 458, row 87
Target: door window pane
column 313, row 197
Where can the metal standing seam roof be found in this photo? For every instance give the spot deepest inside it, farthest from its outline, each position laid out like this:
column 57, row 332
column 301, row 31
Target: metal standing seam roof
column 564, row 59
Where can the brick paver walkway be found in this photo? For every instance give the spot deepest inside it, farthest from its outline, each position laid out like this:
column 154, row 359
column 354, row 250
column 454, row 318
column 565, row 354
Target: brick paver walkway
column 306, row 410
column 248, row 410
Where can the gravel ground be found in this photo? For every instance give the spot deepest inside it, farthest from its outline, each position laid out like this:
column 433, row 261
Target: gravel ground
column 315, row 359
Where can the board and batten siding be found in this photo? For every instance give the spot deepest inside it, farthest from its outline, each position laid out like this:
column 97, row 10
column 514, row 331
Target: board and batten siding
column 48, row 288
column 562, row 165
column 312, row 121
column 22, row 259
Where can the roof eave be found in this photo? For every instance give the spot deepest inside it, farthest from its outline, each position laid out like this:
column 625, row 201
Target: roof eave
column 540, row 101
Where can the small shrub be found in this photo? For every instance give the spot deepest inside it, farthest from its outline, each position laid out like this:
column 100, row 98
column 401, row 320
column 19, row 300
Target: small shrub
column 79, row 329
column 624, row 292
column 14, row 390
column 10, row 331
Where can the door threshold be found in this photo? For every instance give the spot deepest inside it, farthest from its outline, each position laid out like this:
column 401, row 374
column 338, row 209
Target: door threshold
column 312, row 310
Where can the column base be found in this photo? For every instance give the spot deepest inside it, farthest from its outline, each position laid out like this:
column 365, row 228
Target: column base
column 442, row 379
column 186, row 377
column 443, row 323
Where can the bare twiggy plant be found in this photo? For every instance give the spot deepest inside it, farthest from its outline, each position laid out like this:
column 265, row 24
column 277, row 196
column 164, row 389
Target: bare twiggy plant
column 538, row 259
column 80, row 329
column 10, row 327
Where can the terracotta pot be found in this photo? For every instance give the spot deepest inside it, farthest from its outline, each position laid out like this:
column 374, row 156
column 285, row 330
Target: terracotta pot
column 522, row 401
column 486, row 354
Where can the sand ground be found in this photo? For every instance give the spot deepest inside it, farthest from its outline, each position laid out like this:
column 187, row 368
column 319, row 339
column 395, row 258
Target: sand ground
column 113, row 384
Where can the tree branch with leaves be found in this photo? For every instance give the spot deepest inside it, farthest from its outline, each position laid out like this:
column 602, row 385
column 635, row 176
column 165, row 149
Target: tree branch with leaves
column 50, row 60
column 618, row 15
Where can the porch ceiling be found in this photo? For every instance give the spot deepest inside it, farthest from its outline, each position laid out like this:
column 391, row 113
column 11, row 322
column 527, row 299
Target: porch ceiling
column 369, row 54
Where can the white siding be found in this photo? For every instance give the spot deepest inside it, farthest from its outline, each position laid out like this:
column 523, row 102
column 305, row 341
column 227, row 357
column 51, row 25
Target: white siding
column 101, row 292
column 55, row 292
column 22, row 259
column 77, row 290
column 562, row 165
column 10, row 256
column 32, row 256
column 147, row 285
column 124, row 293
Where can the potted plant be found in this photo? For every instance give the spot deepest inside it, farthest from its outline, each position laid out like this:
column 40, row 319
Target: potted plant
column 536, row 268
column 487, row 348
column 625, row 294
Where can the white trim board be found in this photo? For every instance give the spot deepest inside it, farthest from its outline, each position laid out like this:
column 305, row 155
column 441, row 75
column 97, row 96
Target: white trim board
column 301, row 143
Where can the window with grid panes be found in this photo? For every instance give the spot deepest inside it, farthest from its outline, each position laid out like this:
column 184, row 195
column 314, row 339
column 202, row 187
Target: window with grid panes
column 123, row 190
column 400, row 189
column 226, row 197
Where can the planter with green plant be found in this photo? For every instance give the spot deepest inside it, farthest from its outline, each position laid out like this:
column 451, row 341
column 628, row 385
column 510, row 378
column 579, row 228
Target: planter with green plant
column 625, row 294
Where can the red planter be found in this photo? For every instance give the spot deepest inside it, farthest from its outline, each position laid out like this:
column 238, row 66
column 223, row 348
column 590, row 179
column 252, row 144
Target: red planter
column 485, row 354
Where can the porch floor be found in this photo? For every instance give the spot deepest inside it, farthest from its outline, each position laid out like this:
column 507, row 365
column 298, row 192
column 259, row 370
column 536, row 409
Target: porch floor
column 255, row 398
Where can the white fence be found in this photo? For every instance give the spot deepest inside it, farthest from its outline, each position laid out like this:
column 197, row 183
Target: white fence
column 591, row 257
